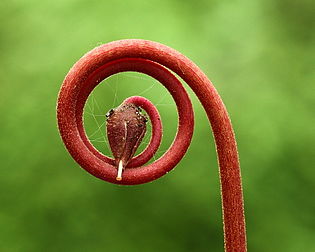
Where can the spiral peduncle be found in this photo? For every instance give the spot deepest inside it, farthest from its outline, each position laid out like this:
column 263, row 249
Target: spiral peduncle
column 154, row 59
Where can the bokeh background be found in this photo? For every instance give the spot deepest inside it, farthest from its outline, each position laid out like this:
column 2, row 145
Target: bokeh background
column 259, row 55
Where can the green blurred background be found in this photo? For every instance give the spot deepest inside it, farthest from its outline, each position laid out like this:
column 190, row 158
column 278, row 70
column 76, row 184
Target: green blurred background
column 259, row 55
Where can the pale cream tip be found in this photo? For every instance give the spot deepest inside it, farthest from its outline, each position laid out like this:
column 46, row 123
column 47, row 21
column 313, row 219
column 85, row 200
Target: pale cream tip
column 119, row 172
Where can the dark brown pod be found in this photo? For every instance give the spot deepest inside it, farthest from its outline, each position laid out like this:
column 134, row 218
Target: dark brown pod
column 125, row 126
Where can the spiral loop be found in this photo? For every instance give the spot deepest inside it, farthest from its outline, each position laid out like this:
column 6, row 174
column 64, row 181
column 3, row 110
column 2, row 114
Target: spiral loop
column 153, row 58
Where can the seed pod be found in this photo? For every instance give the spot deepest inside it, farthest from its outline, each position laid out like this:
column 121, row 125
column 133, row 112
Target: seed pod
column 125, row 126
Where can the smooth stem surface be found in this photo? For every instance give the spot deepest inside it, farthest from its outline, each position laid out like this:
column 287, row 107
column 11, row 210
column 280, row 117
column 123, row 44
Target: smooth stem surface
column 151, row 58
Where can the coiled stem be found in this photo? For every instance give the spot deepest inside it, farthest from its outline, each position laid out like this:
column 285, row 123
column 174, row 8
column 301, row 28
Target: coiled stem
column 152, row 58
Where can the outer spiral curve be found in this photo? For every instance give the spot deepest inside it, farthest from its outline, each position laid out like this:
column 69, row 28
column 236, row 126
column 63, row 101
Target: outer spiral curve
column 70, row 109
column 153, row 59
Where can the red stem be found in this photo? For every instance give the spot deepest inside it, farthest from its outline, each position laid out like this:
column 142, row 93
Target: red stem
column 151, row 58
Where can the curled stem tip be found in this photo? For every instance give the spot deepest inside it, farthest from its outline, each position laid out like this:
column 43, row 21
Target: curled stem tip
column 126, row 127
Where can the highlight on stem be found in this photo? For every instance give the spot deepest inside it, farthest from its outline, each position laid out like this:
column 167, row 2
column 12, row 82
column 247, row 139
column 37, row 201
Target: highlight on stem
column 126, row 124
